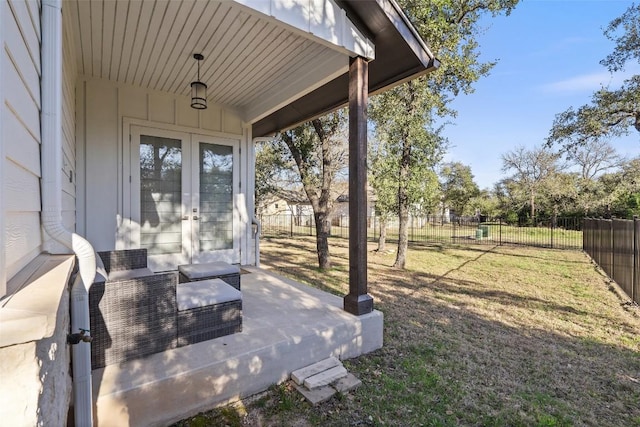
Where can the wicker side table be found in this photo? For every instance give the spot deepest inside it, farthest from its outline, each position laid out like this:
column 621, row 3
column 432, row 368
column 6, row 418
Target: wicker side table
column 207, row 309
column 210, row 270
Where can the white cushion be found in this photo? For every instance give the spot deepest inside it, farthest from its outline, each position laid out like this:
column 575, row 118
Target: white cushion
column 101, row 272
column 205, row 292
column 209, row 269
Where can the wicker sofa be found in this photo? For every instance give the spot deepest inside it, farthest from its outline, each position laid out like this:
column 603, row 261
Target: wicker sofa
column 134, row 312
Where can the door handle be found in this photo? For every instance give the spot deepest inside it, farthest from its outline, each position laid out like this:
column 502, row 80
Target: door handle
column 185, row 217
column 195, row 217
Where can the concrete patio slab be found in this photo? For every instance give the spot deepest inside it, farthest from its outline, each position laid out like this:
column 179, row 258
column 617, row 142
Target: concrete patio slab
column 286, row 326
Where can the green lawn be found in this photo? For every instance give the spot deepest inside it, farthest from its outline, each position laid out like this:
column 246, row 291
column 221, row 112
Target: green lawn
column 435, row 232
column 480, row 336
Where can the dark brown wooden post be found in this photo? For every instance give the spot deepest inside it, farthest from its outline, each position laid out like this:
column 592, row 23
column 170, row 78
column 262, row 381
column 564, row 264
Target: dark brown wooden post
column 358, row 302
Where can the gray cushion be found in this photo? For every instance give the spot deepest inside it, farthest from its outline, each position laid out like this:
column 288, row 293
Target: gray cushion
column 209, row 269
column 205, row 292
column 130, row 274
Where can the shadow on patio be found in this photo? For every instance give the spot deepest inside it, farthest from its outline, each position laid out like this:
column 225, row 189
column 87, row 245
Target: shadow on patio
column 286, row 326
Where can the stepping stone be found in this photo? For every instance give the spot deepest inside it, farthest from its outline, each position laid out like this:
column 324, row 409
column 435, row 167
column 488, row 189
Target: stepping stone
column 346, row 384
column 325, row 377
column 317, row 395
column 302, row 374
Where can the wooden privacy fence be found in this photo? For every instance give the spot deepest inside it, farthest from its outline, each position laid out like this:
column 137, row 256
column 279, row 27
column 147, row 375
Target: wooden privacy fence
column 614, row 245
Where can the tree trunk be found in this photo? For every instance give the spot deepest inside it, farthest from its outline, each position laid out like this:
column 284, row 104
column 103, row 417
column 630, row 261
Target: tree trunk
column 403, row 207
column 382, row 238
column 403, row 237
column 323, row 230
column 533, row 209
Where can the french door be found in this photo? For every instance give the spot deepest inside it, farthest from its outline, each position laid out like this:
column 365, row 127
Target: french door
column 183, row 196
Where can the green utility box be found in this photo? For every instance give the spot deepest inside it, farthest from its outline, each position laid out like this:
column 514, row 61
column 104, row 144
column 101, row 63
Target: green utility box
column 478, row 234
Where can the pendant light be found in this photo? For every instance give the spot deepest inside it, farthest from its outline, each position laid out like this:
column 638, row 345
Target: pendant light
column 198, row 89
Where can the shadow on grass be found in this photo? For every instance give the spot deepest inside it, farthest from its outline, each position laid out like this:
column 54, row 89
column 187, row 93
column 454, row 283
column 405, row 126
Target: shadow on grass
column 443, row 365
column 448, row 361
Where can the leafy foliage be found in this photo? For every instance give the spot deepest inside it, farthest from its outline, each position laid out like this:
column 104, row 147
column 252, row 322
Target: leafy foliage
column 310, row 156
column 533, row 170
column 612, row 112
column 628, row 43
column 457, row 186
column 406, row 116
column 274, row 171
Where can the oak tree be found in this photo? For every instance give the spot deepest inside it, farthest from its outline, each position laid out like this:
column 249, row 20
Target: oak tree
column 612, row 112
column 406, row 117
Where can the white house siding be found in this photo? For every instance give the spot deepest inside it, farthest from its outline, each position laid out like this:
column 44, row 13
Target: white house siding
column 20, row 123
column 69, row 76
column 35, row 386
column 104, row 109
column 68, row 166
column 3, row 270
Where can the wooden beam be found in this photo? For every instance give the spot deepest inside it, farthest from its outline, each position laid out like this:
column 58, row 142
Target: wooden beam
column 358, row 302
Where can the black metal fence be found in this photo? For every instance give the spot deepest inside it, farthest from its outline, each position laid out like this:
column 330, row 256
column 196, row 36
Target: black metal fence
column 614, row 245
column 563, row 233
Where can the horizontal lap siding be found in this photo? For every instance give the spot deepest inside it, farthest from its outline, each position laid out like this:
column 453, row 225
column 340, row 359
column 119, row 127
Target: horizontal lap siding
column 69, row 73
column 20, row 116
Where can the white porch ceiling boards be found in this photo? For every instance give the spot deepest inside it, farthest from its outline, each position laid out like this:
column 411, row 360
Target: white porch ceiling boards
column 253, row 63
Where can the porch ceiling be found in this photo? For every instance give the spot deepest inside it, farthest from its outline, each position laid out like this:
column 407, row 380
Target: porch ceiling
column 253, row 63
column 273, row 74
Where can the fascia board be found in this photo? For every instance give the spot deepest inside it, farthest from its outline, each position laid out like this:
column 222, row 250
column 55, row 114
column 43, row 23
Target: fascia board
column 322, row 21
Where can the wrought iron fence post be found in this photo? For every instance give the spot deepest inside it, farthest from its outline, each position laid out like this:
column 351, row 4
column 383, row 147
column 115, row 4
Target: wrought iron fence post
column 635, row 286
column 552, row 227
column 453, row 229
column 500, row 222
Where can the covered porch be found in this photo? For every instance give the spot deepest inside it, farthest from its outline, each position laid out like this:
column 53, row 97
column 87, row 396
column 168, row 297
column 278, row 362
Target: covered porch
column 98, row 106
column 268, row 65
column 286, row 326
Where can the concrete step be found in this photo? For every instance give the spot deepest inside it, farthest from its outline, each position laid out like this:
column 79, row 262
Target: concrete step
column 325, row 377
column 320, row 381
column 302, row 374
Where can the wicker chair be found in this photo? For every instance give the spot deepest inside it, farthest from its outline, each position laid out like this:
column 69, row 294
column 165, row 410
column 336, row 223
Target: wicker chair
column 134, row 312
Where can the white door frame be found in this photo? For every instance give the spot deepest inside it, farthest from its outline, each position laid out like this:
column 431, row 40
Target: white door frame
column 228, row 255
column 129, row 233
column 166, row 261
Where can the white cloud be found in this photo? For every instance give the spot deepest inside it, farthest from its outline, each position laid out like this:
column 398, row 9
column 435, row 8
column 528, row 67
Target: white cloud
column 590, row 82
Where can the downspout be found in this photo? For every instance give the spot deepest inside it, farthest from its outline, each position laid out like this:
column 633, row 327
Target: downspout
column 51, row 159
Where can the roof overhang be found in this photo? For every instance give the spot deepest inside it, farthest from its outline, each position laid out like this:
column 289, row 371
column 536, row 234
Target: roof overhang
column 400, row 55
column 274, row 63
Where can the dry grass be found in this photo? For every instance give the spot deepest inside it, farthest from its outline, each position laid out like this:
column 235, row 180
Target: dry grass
column 475, row 336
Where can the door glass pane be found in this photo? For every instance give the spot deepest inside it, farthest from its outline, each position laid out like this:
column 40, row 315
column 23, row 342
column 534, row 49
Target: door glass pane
column 216, row 197
column 160, row 195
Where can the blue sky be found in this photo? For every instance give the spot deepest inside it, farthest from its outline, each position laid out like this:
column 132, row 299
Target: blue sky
column 548, row 54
